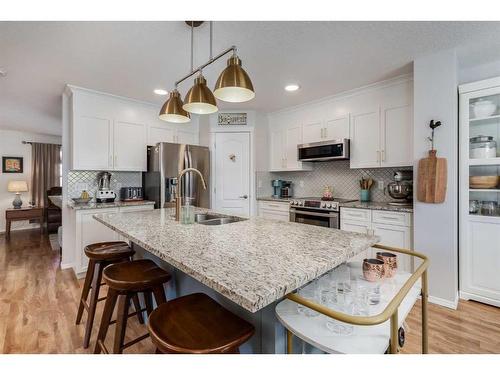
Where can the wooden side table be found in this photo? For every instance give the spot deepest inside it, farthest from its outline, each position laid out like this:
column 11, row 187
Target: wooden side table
column 24, row 213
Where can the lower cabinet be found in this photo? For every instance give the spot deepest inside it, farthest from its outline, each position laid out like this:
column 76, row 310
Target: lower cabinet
column 274, row 210
column 480, row 261
column 393, row 228
column 88, row 230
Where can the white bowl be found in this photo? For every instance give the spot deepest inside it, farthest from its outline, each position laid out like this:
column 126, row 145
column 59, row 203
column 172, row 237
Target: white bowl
column 484, row 108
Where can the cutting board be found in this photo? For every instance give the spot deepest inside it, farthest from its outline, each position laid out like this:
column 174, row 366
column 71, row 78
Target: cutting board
column 432, row 177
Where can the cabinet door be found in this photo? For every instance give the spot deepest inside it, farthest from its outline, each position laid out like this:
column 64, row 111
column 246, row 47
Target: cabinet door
column 396, row 236
column 483, row 260
column 276, row 150
column 92, row 231
column 365, row 139
column 186, row 137
column 336, row 128
column 293, row 137
column 159, row 133
column 397, row 137
column 129, row 146
column 312, row 132
column 92, row 143
column 357, row 227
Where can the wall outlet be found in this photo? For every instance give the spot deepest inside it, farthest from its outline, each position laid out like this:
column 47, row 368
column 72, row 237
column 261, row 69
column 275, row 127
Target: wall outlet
column 380, row 184
column 301, row 183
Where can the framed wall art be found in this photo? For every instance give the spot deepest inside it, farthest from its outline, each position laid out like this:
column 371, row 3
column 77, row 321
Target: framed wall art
column 12, row 164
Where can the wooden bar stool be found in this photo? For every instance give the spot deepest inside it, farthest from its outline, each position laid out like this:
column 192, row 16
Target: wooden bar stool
column 100, row 255
column 196, row 324
column 125, row 281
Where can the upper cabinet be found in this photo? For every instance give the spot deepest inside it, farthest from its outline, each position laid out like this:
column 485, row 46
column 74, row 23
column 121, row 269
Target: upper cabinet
column 112, row 133
column 377, row 119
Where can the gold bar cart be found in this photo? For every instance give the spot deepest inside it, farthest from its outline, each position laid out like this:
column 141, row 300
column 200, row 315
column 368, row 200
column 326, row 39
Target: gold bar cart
column 390, row 311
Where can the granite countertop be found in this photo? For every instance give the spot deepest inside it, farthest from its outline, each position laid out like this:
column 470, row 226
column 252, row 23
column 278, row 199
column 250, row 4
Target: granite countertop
column 272, row 199
column 384, row 206
column 254, row 262
column 93, row 205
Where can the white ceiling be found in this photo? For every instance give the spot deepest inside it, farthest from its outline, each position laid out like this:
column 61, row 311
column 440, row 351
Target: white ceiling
column 133, row 58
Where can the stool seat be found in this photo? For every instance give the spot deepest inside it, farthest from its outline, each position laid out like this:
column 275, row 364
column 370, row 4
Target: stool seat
column 197, row 324
column 136, row 275
column 108, row 251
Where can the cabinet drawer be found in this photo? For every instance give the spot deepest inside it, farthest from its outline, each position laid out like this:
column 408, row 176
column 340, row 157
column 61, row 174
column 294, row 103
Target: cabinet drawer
column 275, row 206
column 391, row 217
column 358, row 214
column 274, row 215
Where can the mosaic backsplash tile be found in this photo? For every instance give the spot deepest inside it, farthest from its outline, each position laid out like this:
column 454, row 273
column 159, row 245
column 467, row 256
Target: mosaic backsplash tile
column 344, row 181
column 87, row 180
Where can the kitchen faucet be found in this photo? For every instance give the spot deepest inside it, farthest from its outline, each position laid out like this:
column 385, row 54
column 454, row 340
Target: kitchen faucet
column 178, row 195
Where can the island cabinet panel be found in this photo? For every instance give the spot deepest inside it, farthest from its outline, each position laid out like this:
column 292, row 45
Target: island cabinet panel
column 394, row 229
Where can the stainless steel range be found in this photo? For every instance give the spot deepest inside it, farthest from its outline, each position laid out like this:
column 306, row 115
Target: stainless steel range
column 315, row 211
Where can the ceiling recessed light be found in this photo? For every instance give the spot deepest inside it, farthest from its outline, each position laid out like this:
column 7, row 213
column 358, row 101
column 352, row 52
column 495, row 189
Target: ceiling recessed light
column 292, row 87
column 3, row 72
column 160, row 92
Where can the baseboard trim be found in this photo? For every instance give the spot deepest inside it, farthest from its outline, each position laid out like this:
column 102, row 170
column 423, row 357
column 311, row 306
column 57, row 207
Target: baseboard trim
column 65, row 266
column 444, row 302
column 475, row 297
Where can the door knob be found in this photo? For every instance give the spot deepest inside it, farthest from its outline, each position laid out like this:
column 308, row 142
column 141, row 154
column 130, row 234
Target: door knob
column 244, row 196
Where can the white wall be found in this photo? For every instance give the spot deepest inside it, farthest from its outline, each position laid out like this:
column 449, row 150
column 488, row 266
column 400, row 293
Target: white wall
column 435, row 81
column 479, row 72
column 10, row 145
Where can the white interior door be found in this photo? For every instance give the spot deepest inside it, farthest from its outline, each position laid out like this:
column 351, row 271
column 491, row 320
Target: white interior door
column 232, row 173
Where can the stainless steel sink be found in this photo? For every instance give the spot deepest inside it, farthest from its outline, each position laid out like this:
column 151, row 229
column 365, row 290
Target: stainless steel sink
column 207, row 219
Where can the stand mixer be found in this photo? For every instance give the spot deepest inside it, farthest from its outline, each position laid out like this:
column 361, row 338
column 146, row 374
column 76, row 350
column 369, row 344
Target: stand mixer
column 401, row 188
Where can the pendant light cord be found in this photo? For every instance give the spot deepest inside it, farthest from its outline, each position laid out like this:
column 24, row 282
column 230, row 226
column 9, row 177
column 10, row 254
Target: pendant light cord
column 211, row 39
column 192, row 43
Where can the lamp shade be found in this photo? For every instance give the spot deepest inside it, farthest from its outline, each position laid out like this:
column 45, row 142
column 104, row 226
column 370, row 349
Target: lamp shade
column 172, row 110
column 234, row 84
column 17, row 186
column 200, row 99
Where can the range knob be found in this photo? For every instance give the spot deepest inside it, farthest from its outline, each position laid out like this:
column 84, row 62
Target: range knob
column 328, row 205
column 323, row 205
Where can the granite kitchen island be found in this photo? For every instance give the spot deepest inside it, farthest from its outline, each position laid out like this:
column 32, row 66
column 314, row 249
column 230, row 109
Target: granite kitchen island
column 247, row 266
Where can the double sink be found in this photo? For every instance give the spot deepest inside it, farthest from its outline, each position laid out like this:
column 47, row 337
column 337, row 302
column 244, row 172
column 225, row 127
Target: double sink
column 211, row 219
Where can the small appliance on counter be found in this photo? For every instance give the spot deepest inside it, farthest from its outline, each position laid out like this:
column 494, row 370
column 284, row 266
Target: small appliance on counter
column 130, row 194
column 401, row 188
column 276, row 184
column 286, row 189
column 104, row 193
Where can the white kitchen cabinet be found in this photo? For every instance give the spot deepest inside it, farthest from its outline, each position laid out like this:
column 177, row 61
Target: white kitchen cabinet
column 92, row 145
column 274, row 210
column 480, row 280
column 129, row 145
column 393, row 228
column 293, row 137
column 313, row 131
column 325, row 130
column 365, row 139
column 186, row 136
column 160, row 133
column 276, row 149
column 396, row 140
column 88, row 230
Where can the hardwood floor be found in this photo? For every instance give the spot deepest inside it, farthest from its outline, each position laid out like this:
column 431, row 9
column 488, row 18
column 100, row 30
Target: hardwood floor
column 38, row 304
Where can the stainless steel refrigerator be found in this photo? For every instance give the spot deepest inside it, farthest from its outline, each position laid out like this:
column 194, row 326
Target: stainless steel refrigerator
column 165, row 162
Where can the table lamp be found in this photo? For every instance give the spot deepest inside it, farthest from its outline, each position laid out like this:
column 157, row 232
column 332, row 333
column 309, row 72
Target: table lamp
column 17, row 187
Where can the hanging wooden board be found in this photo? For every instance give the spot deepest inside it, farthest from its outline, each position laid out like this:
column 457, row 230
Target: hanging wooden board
column 432, row 177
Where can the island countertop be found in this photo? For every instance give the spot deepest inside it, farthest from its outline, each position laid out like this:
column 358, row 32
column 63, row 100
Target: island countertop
column 253, row 263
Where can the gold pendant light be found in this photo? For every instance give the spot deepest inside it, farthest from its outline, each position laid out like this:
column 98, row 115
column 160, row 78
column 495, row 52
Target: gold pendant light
column 172, row 110
column 200, row 99
column 234, row 84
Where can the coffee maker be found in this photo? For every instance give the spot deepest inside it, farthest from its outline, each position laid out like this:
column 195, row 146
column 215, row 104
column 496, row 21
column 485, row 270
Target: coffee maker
column 104, row 193
column 281, row 188
column 277, row 185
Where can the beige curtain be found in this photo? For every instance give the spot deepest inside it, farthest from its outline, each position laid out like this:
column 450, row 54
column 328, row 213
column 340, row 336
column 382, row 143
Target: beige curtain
column 45, row 170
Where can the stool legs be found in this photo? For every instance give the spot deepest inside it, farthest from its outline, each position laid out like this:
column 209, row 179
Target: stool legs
column 121, row 322
column 109, row 306
column 137, row 305
column 85, row 291
column 94, row 296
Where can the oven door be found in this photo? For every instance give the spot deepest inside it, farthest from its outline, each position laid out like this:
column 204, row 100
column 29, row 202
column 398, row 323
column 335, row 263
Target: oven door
column 315, row 217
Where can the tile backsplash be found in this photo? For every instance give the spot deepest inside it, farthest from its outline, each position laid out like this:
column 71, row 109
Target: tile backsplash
column 87, row 180
column 344, row 181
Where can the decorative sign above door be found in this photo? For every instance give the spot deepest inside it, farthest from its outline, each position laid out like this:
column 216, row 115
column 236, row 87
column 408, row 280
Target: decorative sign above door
column 232, row 119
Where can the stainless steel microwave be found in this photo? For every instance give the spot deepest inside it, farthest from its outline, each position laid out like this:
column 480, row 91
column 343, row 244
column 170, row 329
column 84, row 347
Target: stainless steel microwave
column 335, row 149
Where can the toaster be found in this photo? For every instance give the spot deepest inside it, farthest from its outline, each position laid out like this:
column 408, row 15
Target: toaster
column 131, row 194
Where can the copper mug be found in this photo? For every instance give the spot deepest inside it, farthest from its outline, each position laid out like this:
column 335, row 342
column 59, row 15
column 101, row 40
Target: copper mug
column 390, row 263
column 373, row 269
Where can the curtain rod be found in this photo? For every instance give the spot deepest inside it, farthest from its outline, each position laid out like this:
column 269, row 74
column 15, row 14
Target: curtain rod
column 31, row 142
